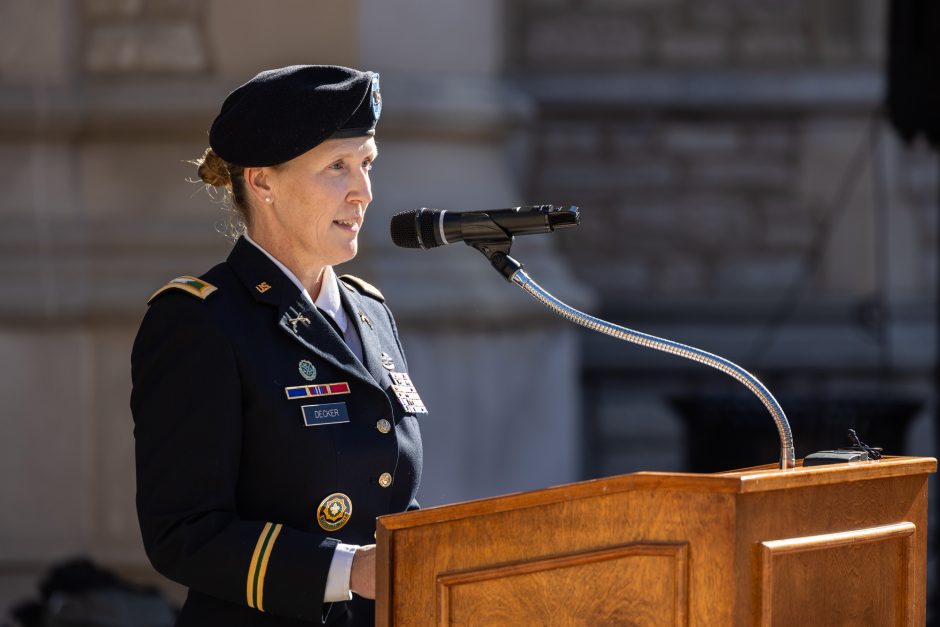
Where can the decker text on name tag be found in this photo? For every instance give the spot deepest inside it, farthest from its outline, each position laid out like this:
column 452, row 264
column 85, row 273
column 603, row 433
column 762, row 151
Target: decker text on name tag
column 327, row 414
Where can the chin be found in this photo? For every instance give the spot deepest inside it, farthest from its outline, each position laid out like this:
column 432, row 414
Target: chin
column 348, row 254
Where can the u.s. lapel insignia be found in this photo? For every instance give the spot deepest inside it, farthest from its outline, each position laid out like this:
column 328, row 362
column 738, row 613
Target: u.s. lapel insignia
column 334, row 511
column 406, row 393
column 307, row 370
column 263, row 287
column 387, row 362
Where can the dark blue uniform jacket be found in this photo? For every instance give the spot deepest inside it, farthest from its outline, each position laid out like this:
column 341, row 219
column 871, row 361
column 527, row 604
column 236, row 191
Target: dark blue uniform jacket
column 229, row 478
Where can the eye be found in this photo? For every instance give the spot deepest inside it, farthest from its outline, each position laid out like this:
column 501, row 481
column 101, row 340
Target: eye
column 367, row 164
column 337, row 165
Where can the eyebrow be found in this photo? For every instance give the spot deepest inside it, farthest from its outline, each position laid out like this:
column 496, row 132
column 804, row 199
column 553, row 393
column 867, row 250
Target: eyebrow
column 349, row 154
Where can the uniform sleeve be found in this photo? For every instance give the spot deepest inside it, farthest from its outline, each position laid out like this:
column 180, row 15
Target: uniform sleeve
column 186, row 402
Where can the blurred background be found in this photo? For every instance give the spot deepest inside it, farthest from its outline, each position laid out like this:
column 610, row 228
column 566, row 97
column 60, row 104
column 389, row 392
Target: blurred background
column 741, row 190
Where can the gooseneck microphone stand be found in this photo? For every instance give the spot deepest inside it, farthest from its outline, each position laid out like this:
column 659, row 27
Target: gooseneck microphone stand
column 498, row 254
column 493, row 236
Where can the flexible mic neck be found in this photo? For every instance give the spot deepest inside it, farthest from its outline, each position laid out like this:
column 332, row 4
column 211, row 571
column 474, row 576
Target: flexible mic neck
column 787, row 451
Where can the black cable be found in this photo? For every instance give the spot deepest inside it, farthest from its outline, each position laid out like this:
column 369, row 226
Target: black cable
column 874, row 452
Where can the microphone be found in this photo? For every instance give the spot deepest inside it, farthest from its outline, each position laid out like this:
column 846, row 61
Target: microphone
column 429, row 228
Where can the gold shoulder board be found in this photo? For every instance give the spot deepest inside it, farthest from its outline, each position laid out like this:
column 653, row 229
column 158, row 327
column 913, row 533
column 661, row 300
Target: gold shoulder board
column 190, row 284
column 363, row 286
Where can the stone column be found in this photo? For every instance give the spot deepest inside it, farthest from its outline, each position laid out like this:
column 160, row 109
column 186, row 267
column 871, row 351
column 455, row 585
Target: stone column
column 500, row 375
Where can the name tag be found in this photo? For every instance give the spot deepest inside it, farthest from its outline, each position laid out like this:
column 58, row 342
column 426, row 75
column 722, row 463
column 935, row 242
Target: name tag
column 328, row 414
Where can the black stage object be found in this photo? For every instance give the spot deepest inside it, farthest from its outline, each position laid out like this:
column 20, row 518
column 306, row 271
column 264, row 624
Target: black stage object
column 913, row 107
column 913, row 95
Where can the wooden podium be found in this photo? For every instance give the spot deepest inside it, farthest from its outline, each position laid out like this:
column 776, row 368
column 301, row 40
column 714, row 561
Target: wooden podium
column 828, row 545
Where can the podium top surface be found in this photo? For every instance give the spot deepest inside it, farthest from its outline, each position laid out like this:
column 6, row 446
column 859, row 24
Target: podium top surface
column 745, row 481
column 770, row 477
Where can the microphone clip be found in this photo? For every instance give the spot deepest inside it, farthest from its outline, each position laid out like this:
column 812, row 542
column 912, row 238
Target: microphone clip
column 504, row 264
column 497, row 251
column 492, row 232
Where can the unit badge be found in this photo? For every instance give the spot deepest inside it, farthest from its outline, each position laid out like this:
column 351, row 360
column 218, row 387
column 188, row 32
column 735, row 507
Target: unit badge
column 307, row 370
column 334, row 511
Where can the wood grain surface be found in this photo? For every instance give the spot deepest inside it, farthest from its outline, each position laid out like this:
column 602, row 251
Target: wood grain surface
column 839, row 567
column 759, row 547
column 639, row 584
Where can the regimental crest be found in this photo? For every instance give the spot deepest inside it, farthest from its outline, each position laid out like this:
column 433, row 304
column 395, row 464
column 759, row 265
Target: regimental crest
column 334, row 511
column 376, row 98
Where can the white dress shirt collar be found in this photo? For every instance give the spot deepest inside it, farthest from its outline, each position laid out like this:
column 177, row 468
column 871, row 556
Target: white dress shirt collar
column 328, row 300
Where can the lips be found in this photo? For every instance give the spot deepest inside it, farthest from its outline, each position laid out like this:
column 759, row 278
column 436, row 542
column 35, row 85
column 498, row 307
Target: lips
column 348, row 224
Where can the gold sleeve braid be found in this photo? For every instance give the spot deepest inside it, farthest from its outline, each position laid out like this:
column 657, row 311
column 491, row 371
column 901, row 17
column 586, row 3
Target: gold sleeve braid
column 258, row 566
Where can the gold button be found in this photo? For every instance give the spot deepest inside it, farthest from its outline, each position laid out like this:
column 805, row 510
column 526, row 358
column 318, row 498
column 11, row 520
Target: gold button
column 385, row 480
column 383, row 425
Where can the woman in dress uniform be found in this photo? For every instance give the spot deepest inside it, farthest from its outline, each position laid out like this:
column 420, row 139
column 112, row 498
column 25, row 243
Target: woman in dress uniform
column 274, row 415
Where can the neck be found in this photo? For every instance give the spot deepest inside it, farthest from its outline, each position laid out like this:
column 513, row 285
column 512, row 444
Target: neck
column 312, row 280
column 308, row 272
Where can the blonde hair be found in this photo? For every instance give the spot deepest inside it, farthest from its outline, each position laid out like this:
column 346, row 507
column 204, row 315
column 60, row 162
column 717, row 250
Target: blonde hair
column 220, row 175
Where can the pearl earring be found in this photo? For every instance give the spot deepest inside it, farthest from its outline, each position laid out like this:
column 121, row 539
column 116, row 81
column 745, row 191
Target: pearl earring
column 267, row 199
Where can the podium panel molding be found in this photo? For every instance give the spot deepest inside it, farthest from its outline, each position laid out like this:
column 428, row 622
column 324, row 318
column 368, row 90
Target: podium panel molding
column 859, row 574
column 636, row 584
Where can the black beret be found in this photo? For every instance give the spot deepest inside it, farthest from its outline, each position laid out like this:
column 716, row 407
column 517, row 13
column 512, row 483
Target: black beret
column 281, row 114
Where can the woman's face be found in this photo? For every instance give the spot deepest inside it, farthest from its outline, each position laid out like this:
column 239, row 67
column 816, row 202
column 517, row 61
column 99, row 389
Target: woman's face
column 319, row 200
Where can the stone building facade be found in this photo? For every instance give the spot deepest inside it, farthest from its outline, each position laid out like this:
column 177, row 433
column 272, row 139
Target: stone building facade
column 741, row 192
column 726, row 155
column 102, row 102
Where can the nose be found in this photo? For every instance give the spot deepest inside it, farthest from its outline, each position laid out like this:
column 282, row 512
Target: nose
column 360, row 189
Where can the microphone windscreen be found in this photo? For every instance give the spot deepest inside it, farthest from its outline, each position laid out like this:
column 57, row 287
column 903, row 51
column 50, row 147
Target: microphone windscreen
column 404, row 230
column 415, row 228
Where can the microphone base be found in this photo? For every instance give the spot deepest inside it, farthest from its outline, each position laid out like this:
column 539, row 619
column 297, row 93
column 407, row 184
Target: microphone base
column 840, row 456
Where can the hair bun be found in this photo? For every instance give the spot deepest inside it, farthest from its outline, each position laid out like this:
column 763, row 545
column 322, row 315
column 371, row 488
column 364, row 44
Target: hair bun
column 213, row 170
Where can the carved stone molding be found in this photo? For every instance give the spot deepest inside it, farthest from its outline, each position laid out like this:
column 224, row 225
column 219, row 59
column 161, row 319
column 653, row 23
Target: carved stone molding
column 125, row 37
